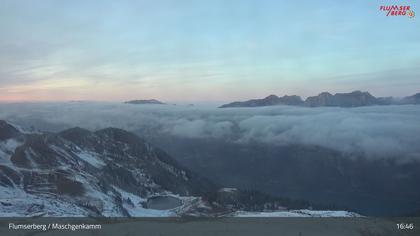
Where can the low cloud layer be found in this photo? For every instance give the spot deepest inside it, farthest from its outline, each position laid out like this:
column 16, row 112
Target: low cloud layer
column 379, row 131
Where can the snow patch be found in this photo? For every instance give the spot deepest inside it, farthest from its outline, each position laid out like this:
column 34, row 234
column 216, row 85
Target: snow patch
column 228, row 190
column 7, row 148
column 92, row 159
column 15, row 202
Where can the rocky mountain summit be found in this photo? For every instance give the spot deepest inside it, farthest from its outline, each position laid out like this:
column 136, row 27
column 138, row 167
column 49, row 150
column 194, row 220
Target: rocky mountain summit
column 353, row 99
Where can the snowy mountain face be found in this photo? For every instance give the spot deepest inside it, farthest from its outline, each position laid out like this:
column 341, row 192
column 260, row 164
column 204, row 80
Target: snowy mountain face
column 110, row 172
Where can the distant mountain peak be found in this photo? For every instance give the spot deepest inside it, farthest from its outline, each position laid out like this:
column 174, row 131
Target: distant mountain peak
column 270, row 100
column 272, row 96
column 356, row 98
column 325, row 94
column 144, row 101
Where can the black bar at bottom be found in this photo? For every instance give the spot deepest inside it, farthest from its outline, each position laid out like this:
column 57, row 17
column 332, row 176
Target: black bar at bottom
column 363, row 226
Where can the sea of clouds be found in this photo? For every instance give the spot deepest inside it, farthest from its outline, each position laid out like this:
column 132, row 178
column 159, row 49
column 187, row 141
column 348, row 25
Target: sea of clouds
column 379, row 131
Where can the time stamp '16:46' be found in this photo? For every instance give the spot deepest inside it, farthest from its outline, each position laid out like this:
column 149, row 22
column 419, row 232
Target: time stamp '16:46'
column 405, row 226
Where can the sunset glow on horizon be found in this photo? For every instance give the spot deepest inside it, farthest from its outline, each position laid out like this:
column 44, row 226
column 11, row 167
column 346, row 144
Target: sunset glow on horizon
column 204, row 50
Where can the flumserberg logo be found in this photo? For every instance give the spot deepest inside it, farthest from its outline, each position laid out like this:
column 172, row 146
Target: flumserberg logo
column 398, row 10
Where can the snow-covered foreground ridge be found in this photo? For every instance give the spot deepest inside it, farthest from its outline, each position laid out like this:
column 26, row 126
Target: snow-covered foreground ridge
column 76, row 172
column 296, row 213
column 111, row 173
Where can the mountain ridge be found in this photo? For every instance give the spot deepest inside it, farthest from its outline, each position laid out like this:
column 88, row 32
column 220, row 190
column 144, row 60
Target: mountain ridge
column 325, row 99
column 90, row 172
column 145, row 101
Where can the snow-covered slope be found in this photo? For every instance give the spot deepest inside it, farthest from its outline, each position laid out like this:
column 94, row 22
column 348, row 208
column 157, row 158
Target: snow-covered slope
column 296, row 213
column 111, row 173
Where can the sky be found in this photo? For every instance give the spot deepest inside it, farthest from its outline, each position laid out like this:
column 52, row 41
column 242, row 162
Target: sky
column 217, row 50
